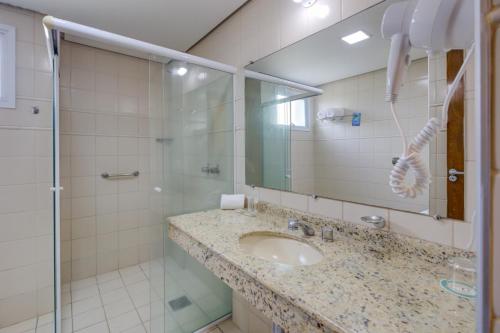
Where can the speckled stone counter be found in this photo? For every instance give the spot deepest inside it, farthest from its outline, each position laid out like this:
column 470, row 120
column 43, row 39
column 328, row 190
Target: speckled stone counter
column 369, row 281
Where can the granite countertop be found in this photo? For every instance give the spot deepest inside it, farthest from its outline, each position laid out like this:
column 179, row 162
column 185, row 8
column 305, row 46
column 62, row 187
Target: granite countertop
column 362, row 285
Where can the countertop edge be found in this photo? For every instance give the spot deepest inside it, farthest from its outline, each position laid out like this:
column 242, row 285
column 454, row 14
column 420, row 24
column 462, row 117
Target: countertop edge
column 277, row 307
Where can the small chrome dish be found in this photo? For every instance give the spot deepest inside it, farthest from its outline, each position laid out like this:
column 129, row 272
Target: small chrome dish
column 374, row 220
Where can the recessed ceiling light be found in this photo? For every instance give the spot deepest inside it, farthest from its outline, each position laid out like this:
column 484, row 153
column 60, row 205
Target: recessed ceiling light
column 181, row 71
column 356, row 37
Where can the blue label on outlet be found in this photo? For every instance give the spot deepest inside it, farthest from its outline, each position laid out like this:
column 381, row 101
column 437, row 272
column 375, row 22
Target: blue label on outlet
column 356, row 119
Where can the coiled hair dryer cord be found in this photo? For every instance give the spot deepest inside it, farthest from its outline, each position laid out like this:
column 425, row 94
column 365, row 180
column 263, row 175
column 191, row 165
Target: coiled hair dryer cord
column 411, row 158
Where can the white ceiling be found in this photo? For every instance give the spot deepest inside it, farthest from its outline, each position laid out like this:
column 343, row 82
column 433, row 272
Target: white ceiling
column 176, row 24
column 324, row 57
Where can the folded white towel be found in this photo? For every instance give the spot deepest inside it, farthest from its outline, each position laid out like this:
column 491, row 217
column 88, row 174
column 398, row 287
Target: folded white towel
column 232, row 201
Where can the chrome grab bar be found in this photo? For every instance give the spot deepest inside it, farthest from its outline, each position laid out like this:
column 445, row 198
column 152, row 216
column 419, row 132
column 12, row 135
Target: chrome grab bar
column 106, row 175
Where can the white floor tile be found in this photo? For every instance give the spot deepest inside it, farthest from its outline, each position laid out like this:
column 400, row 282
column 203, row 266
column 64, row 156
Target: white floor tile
column 65, row 298
column 125, row 301
column 124, row 322
column 45, row 319
column 97, row 328
column 108, row 276
column 147, row 326
column 67, row 325
column 23, row 326
column 114, row 296
column 189, row 314
column 136, row 329
column 85, row 292
column 79, row 284
column 118, row 308
column 111, row 285
column 140, row 293
column 49, row 328
column 88, row 318
column 144, row 312
column 133, row 278
column 130, row 269
column 86, row 305
column 229, row 327
column 66, row 311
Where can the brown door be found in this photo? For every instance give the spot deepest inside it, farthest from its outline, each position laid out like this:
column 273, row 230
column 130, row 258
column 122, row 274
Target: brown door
column 455, row 138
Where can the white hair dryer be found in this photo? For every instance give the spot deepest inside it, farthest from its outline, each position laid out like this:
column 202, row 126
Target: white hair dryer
column 436, row 26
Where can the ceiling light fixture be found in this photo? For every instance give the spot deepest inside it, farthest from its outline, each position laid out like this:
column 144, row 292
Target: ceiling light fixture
column 355, row 37
column 181, row 71
column 308, row 3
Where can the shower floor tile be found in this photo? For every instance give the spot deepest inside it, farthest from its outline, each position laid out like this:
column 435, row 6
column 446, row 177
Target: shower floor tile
column 118, row 301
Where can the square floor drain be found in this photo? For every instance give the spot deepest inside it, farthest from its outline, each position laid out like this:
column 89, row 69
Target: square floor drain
column 179, row 303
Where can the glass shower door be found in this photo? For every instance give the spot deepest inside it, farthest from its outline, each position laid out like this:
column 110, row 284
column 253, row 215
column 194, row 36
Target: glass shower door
column 271, row 110
column 276, row 172
column 196, row 146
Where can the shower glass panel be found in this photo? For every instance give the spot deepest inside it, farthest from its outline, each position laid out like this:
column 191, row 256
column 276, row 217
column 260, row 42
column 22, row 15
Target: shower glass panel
column 273, row 121
column 192, row 162
column 27, row 209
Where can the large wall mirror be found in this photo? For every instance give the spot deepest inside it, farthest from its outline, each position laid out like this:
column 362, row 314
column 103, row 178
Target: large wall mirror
column 342, row 143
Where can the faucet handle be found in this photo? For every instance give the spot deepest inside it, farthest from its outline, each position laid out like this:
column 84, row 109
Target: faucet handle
column 293, row 224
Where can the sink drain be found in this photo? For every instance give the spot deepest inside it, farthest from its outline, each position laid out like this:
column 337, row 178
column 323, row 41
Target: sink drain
column 179, row 303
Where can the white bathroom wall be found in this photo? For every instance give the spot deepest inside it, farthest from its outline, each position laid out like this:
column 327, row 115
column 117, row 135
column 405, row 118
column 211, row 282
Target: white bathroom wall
column 262, row 27
column 302, row 160
column 26, row 279
column 107, row 126
column 353, row 162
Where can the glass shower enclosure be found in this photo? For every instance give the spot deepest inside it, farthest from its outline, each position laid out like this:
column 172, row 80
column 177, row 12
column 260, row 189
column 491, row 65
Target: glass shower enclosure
column 270, row 130
column 196, row 151
column 185, row 159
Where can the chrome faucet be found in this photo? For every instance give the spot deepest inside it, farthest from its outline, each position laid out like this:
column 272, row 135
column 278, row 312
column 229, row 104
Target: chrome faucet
column 294, row 224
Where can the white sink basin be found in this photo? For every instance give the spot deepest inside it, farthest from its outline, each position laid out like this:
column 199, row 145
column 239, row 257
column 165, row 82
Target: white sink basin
column 279, row 248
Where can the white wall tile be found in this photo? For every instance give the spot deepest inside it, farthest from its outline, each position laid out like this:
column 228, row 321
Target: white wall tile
column 325, row 207
column 17, row 198
column 462, row 235
column 272, row 196
column 18, row 308
column 421, row 226
column 17, row 171
column 295, row 201
column 17, row 226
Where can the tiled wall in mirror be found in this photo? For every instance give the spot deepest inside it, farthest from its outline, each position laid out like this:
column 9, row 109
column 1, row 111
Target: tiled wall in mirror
column 342, row 143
